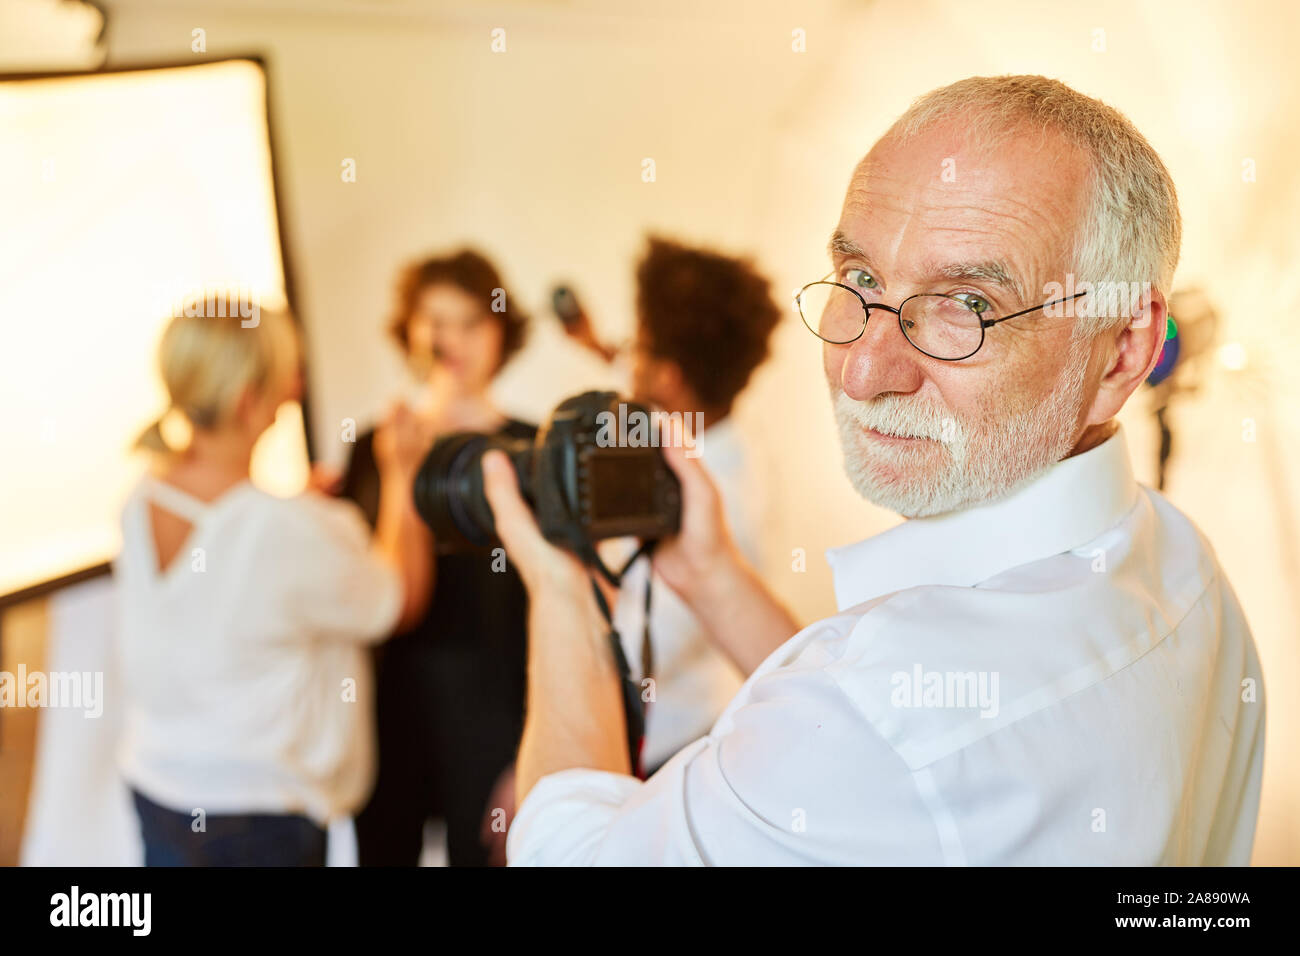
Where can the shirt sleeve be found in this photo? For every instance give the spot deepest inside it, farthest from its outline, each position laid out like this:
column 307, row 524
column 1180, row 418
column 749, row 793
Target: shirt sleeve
column 338, row 588
column 795, row 775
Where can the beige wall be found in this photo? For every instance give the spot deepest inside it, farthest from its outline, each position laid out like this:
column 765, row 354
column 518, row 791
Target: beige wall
column 536, row 153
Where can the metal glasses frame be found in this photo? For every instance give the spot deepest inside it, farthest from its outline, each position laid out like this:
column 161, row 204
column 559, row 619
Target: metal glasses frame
column 868, row 306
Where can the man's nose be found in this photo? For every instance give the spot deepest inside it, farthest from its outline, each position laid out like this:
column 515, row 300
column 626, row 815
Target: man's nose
column 881, row 361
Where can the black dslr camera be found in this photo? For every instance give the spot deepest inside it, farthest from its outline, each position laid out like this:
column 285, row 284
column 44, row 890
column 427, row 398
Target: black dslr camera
column 581, row 482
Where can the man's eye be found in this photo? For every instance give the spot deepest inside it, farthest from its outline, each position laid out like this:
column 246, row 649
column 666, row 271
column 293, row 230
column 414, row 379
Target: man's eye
column 977, row 304
column 860, row 279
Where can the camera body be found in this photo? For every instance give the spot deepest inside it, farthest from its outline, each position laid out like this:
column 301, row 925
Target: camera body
column 581, row 486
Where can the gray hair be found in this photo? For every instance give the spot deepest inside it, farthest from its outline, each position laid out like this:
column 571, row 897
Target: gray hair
column 1132, row 230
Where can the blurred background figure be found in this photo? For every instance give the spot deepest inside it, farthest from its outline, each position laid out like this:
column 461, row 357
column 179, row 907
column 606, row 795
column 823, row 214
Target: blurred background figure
column 703, row 321
column 451, row 686
column 243, row 616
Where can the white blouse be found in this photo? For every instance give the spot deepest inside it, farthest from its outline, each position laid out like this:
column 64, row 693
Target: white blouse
column 248, row 685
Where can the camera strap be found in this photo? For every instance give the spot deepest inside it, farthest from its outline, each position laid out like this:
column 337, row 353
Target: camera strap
column 633, row 706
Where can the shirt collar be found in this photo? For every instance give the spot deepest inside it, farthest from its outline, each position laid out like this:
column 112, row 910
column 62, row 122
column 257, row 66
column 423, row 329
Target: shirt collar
column 1070, row 504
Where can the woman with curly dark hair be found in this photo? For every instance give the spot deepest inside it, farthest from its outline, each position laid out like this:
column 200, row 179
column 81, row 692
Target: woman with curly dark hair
column 450, row 690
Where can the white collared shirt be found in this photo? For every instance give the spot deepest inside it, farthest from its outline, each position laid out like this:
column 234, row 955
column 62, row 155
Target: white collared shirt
column 1061, row 676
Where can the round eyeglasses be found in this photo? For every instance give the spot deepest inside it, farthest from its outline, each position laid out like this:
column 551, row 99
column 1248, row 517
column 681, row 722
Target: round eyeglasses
column 945, row 327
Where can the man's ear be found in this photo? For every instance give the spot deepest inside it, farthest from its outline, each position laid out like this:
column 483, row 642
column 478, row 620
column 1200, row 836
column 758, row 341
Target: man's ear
column 1132, row 352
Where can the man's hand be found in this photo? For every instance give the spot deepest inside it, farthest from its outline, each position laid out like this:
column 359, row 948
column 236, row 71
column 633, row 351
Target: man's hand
column 542, row 565
column 703, row 548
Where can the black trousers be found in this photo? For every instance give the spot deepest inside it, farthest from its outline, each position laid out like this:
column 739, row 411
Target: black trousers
column 446, row 732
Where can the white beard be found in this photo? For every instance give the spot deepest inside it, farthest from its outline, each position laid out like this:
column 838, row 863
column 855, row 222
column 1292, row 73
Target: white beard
column 962, row 463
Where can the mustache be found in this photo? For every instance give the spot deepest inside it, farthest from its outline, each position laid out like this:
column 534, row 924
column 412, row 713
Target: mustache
column 901, row 418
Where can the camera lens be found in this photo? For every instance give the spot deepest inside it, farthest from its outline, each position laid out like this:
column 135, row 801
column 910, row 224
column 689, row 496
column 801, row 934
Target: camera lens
column 448, row 491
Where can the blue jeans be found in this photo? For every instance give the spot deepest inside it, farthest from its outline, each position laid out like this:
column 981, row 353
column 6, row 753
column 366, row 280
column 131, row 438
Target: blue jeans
column 242, row 839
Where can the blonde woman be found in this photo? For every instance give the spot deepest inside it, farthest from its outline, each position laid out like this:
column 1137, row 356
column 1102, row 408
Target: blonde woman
column 244, row 617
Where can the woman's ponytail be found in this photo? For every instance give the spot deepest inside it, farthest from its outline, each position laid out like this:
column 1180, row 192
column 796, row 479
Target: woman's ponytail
column 153, row 440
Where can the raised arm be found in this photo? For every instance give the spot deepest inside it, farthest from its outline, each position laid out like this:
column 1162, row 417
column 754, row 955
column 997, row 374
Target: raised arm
column 574, row 708
column 402, row 538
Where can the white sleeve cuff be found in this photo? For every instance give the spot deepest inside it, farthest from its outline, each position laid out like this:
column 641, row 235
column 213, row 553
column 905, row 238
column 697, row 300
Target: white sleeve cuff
column 565, row 817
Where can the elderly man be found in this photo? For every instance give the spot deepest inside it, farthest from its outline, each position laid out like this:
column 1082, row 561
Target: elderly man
column 1045, row 664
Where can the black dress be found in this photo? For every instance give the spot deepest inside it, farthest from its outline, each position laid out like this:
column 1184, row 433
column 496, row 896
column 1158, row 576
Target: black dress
column 449, row 697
